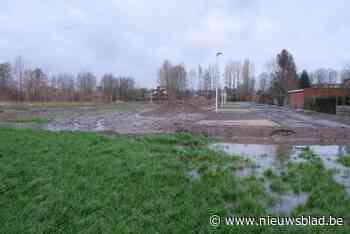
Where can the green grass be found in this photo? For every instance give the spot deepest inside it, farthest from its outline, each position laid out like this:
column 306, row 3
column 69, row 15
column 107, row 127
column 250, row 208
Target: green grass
column 121, row 106
column 278, row 185
column 269, row 173
column 87, row 183
column 345, row 160
column 24, row 105
column 307, row 154
column 39, row 120
column 325, row 196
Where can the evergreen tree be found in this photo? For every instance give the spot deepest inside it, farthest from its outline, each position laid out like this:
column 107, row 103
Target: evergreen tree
column 304, row 81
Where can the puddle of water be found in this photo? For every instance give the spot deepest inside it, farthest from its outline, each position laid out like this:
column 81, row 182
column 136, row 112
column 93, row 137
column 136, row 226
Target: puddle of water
column 263, row 156
column 276, row 157
column 194, row 175
column 243, row 172
column 286, row 203
column 100, row 125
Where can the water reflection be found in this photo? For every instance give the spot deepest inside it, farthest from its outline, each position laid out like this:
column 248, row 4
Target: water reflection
column 276, row 157
column 263, row 156
column 283, row 152
column 285, row 203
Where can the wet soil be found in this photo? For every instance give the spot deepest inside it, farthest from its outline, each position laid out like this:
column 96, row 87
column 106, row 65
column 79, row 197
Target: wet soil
column 238, row 122
column 119, row 118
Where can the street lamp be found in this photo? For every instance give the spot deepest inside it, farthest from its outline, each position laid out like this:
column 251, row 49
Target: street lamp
column 216, row 80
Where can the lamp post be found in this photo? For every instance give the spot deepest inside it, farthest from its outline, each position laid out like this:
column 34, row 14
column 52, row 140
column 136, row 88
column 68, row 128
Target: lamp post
column 223, row 92
column 217, row 74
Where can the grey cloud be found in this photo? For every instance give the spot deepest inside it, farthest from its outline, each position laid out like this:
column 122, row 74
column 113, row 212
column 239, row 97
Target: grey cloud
column 134, row 36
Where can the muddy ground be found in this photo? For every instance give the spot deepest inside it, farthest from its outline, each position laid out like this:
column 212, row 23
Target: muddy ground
column 254, row 123
column 119, row 118
column 239, row 122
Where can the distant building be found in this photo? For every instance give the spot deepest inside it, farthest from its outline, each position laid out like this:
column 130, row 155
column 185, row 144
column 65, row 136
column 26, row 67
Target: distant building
column 159, row 94
column 318, row 99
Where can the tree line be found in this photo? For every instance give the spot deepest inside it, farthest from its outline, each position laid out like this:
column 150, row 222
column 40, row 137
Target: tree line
column 281, row 76
column 179, row 83
column 238, row 78
column 18, row 83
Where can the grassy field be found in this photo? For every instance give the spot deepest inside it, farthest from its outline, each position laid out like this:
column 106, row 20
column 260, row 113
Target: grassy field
column 72, row 105
column 345, row 160
column 29, row 119
column 88, row 183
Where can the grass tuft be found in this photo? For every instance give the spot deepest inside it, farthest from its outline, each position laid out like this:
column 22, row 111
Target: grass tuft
column 39, row 120
column 344, row 160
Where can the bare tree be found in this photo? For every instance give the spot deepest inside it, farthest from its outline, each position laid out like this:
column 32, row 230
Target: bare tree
column 107, row 84
column 126, row 88
column 173, row 78
column 325, row 76
column 66, row 86
column 54, row 91
column 320, row 75
column 285, row 77
column 179, row 79
column 200, row 78
column 212, row 75
column 233, row 74
column 264, row 81
column 192, row 80
column 36, row 85
column 6, row 81
column 287, row 70
column 207, row 81
column 228, row 77
column 164, row 74
column 332, row 76
column 345, row 73
column 19, row 73
column 86, row 84
column 247, row 74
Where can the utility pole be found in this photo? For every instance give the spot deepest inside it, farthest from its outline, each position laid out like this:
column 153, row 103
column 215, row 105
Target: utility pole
column 217, row 75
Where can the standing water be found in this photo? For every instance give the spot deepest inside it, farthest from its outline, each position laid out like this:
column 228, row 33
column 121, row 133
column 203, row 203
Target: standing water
column 276, row 157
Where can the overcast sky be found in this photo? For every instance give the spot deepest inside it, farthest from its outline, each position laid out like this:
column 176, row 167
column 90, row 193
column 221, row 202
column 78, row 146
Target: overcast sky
column 133, row 37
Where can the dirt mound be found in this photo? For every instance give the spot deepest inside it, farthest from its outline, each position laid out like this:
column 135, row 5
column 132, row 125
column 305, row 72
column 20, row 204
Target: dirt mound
column 201, row 102
column 191, row 105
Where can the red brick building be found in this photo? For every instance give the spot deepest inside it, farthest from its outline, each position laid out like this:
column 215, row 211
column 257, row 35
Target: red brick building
column 319, row 96
column 296, row 98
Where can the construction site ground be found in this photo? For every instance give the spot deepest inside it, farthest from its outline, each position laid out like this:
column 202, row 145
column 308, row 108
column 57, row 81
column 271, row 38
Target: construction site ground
column 243, row 122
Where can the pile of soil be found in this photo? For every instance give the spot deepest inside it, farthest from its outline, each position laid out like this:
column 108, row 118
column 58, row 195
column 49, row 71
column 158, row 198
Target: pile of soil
column 189, row 105
column 202, row 102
